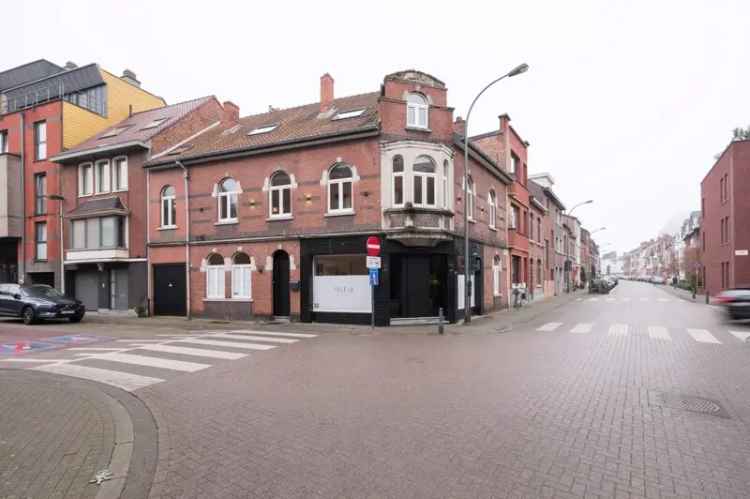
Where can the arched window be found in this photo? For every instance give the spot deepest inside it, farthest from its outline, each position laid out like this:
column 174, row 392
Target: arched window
column 492, row 201
column 168, row 210
column 446, row 204
column 417, row 111
column 424, row 181
column 241, row 276
column 227, row 195
column 496, row 275
column 472, row 195
column 340, row 179
column 398, row 181
column 215, row 276
column 280, row 195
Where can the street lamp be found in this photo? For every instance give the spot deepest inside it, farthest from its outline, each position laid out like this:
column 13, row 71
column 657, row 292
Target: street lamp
column 58, row 197
column 522, row 68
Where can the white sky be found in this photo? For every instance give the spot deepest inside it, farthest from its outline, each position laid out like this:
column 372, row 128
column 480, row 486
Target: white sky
column 626, row 102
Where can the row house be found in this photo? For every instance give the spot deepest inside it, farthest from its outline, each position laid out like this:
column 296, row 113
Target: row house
column 690, row 256
column 103, row 183
column 552, row 232
column 725, row 220
column 44, row 110
column 267, row 215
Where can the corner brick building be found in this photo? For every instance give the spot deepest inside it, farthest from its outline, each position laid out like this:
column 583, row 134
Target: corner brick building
column 272, row 211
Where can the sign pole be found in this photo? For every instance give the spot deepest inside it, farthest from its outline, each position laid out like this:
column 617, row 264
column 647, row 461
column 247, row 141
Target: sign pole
column 373, row 266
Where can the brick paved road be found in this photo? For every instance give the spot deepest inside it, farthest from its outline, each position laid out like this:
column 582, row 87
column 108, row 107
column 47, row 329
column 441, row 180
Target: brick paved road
column 580, row 402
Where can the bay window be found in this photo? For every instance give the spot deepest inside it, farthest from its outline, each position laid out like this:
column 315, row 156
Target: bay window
column 398, row 181
column 424, row 181
column 99, row 233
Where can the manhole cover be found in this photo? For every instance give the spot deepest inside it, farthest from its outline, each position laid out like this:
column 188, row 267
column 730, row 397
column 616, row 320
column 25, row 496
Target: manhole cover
column 694, row 404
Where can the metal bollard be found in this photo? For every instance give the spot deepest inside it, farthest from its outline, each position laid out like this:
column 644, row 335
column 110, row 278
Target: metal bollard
column 440, row 321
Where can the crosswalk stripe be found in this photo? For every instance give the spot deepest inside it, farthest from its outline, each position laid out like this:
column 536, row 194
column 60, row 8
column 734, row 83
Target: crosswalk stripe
column 550, row 326
column 228, row 344
column 244, row 337
column 30, row 361
column 196, row 352
column 269, row 333
column 618, row 330
column 703, row 336
column 144, row 360
column 740, row 335
column 94, row 349
column 659, row 333
column 582, row 328
column 126, row 381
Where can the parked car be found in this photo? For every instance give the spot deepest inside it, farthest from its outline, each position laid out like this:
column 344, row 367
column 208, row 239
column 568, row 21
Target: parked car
column 655, row 279
column 600, row 285
column 737, row 302
column 38, row 301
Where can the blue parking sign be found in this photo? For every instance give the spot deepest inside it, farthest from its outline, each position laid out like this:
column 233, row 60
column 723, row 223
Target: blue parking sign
column 373, row 277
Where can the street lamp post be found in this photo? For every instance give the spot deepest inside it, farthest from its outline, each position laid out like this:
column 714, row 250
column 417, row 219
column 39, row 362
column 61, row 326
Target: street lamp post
column 522, row 68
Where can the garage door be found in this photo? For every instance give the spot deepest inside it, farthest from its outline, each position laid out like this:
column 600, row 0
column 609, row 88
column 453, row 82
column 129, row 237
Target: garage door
column 87, row 289
column 169, row 289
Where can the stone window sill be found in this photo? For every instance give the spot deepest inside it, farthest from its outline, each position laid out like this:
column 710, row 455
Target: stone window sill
column 167, row 227
column 228, row 222
column 280, row 218
column 238, row 300
column 340, row 214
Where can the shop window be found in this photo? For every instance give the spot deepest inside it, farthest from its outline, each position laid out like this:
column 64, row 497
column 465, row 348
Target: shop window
column 341, row 284
column 241, row 277
column 215, row 276
column 424, row 181
column 340, row 180
column 417, row 111
column 227, row 195
column 281, row 195
column 398, row 181
column 168, row 210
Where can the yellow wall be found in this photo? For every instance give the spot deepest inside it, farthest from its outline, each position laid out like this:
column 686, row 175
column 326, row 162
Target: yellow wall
column 80, row 124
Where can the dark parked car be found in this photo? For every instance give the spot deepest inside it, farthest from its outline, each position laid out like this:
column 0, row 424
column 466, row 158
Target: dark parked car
column 38, row 301
column 737, row 302
column 600, row 285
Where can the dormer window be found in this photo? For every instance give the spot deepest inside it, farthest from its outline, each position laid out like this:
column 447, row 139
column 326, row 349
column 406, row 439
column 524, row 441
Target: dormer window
column 263, row 129
column 348, row 114
column 417, row 111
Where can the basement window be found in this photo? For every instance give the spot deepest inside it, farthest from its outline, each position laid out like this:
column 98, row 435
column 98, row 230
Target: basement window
column 263, row 129
column 348, row 114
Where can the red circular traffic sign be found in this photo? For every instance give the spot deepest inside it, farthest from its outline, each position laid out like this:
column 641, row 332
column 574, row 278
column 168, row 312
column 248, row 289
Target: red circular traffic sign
column 373, row 246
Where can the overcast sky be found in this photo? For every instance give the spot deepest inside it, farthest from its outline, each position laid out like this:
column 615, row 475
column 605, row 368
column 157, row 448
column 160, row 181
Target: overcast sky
column 625, row 103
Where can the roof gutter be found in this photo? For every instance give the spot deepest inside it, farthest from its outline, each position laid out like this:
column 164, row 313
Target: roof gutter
column 92, row 152
column 281, row 146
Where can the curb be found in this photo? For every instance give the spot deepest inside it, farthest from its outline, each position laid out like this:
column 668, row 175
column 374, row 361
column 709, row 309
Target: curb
column 119, row 463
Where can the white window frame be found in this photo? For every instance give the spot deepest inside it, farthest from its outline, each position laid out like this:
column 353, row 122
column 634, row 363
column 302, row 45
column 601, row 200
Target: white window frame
column 40, row 140
column 339, row 185
column 226, row 197
column 492, row 202
column 280, row 189
column 423, row 182
column 242, row 281
column 394, row 175
column 215, row 290
column 106, row 172
column 472, row 193
column 170, row 200
column 496, row 268
column 446, row 205
column 119, row 176
column 39, row 243
column 417, row 114
column 85, row 188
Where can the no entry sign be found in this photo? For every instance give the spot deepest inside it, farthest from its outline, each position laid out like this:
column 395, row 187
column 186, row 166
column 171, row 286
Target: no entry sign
column 373, row 246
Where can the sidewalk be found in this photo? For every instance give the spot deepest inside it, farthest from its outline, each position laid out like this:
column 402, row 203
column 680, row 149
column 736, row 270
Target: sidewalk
column 685, row 294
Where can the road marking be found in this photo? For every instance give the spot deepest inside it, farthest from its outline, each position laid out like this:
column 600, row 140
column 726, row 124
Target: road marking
column 659, row 333
column 31, row 360
column 618, row 330
column 550, row 326
column 703, row 336
column 126, row 381
column 610, row 300
column 136, row 340
column 143, row 360
column 229, row 344
column 740, row 335
column 268, row 333
column 197, row 352
column 244, row 337
column 95, row 349
column 582, row 328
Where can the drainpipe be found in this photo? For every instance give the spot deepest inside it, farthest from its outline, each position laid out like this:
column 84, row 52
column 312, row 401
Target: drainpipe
column 22, row 259
column 186, row 178
column 149, row 291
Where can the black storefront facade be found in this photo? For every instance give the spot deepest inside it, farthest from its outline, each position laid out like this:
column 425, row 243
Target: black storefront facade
column 415, row 282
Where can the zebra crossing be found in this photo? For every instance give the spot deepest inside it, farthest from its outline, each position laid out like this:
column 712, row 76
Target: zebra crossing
column 170, row 354
column 654, row 332
column 626, row 299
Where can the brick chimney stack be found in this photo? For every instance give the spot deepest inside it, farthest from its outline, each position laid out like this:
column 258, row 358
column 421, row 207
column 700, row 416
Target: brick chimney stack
column 459, row 126
column 504, row 122
column 231, row 113
column 326, row 92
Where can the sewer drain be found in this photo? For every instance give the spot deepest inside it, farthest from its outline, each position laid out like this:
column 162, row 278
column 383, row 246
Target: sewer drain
column 694, row 404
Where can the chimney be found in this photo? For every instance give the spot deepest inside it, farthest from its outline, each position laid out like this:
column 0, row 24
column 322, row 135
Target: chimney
column 231, row 113
column 504, row 122
column 70, row 65
column 129, row 77
column 326, row 92
column 459, row 126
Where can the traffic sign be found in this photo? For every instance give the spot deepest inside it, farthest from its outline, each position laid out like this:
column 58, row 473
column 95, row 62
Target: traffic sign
column 373, row 262
column 374, row 277
column 373, row 246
